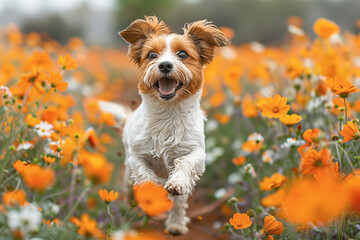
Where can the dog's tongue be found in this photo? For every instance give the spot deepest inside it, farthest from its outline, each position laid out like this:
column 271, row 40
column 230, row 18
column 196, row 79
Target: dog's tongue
column 167, row 86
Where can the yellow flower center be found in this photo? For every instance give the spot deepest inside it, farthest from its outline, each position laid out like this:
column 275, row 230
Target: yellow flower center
column 275, row 109
column 43, row 130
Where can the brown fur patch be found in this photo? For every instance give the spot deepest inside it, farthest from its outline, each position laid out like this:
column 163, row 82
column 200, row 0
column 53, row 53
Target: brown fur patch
column 206, row 37
column 137, row 33
column 199, row 41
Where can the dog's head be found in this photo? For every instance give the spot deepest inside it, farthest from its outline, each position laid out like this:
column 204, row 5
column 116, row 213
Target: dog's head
column 170, row 64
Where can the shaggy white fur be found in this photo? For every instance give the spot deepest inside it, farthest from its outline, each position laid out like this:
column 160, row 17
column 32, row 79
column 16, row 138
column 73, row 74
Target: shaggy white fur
column 164, row 143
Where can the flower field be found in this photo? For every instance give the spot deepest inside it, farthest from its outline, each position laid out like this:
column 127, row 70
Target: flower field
column 281, row 138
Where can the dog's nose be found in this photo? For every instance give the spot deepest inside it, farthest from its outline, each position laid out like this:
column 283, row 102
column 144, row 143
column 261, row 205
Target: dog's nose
column 165, row 67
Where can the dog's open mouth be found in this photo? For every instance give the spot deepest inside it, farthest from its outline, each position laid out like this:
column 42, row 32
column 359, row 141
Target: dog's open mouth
column 167, row 87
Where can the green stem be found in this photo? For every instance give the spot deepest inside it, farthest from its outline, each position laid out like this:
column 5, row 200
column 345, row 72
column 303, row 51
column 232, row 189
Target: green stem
column 77, row 202
column 110, row 215
column 145, row 221
column 338, row 154
column 345, row 111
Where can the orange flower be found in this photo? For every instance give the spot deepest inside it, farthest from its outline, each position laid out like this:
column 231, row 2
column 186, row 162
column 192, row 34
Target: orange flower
column 75, row 221
column 88, row 227
column 310, row 136
column 31, row 121
column 324, row 28
column 253, row 143
column 91, row 203
column 56, row 81
column 153, row 199
column 11, row 198
column 239, row 160
column 67, row 63
column 274, row 107
column 50, row 115
column 20, row 166
column 54, row 137
column 341, row 87
column 248, row 107
column 353, row 192
column 317, row 201
column 275, row 181
column 96, row 167
column 290, row 120
column 274, row 199
column 350, row 132
column 107, row 118
column 240, row 221
column 49, row 160
column 35, row 78
column 37, row 178
column 108, row 197
column 313, row 161
column 272, row 226
column 222, row 118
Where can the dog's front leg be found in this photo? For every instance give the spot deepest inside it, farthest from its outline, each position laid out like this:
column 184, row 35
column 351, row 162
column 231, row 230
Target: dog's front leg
column 140, row 171
column 177, row 219
column 186, row 171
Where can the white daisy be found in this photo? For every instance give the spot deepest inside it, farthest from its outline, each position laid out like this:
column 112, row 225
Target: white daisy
column 44, row 129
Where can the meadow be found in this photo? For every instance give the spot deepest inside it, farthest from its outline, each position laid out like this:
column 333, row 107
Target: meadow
column 281, row 137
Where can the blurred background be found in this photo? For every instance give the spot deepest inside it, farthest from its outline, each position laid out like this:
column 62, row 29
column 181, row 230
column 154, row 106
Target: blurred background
column 98, row 21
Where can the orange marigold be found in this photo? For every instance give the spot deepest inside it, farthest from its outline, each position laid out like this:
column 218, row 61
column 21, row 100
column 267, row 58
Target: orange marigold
column 11, row 198
column 340, row 86
column 49, row 160
column 272, row 226
column 274, row 107
column 274, row 199
column 88, row 227
column 56, row 81
column 324, row 28
column 67, row 63
column 350, row 132
column 275, row 181
column 32, row 121
column 248, row 107
column 310, row 200
column 20, row 166
column 240, row 221
column 222, row 118
column 38, row 178
column 153, row 199
column 108, row 197
column 96, row 167
column 312, row 161
column 239, row 160
column 290, row 120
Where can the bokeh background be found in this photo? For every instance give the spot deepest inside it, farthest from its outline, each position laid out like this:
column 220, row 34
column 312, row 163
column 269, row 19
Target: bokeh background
column 98, row 21
column 264, row 59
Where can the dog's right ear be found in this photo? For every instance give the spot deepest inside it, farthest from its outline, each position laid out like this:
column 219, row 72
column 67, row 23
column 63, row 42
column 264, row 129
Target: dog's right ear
column 138, row 31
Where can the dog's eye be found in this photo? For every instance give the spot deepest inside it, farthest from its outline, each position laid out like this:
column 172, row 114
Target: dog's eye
column 182, row 54
column 152, row 55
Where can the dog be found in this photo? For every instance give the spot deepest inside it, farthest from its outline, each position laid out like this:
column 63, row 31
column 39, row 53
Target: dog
column 164, row 137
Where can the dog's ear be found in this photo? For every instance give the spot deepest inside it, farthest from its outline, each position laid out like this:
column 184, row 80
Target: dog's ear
column 137, row 32
column 206, row 37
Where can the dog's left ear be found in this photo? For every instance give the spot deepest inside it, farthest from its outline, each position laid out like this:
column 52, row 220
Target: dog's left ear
column 206, row 37
column 138, row 31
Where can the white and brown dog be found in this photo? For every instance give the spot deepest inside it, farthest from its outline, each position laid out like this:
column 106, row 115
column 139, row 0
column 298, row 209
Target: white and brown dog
column 164, row 137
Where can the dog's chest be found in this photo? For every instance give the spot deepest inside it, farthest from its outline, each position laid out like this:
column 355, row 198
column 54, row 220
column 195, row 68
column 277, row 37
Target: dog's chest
column 168, row 132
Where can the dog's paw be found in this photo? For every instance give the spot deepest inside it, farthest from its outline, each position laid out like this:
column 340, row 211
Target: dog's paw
column 177, row 229
column 176, row 189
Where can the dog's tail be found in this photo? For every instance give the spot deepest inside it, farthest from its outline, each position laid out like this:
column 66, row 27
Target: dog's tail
column 120, row 112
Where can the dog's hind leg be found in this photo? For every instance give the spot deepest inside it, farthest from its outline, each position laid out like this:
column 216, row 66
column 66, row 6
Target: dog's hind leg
column 177, row 219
